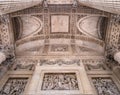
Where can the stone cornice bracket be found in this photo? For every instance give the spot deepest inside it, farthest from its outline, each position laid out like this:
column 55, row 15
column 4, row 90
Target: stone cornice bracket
column 4, row 19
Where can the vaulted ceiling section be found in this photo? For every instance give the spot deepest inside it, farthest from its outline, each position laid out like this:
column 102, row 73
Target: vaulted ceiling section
column 60, row 29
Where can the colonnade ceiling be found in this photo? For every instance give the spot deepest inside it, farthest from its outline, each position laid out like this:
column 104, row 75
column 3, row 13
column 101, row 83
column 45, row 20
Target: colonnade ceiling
column 60, row 30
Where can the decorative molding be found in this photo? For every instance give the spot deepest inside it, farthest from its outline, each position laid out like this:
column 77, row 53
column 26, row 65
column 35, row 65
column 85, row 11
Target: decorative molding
column 5, row 29
column 59, row 62
column 22, row 67
column 59, row 48
column 95, row 67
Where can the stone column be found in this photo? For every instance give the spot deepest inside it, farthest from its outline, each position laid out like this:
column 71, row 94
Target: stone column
column 117, row 57
column 87, row 88
column 32, row 88
column 2, row 57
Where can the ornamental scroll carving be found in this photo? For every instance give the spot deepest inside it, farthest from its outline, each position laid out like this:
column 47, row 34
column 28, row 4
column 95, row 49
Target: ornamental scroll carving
column 24, row 67
column 91, row 67
column 60, row 62
column 105, row 86
column 14, row 86
column 60, row 81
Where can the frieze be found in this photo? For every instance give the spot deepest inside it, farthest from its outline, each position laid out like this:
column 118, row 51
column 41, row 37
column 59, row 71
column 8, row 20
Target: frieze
column 93, row 61
column 26, row 61
column 59, row 62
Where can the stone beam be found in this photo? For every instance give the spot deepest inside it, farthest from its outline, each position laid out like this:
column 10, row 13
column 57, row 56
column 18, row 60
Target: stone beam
column 112, row 6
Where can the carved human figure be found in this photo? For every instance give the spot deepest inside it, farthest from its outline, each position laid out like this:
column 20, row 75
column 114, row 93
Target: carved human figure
column 60, row 81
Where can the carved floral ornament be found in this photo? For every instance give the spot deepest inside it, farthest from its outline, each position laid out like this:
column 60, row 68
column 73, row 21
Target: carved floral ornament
column 59, row 62
column 4, row 19
column 95, row 67
column 115, row 19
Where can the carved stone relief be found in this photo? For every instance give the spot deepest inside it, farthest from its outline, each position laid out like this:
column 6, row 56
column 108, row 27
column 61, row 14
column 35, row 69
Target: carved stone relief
column 5, row 31
column 24, row 67
column 59, row 48
column 105, row 86
column 113, row 35
column 60, row 81
column 14, row 86
column 60, row 62
column 93, row 67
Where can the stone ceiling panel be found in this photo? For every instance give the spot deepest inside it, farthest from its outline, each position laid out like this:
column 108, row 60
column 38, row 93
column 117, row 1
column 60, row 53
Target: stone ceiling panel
column 90, row 25
column 31, row 25
column 59, row 23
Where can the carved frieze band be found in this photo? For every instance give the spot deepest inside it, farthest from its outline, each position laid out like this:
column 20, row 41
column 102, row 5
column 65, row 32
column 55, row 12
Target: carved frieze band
column 29, row 64
column 59, row 62
column 95, row 67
